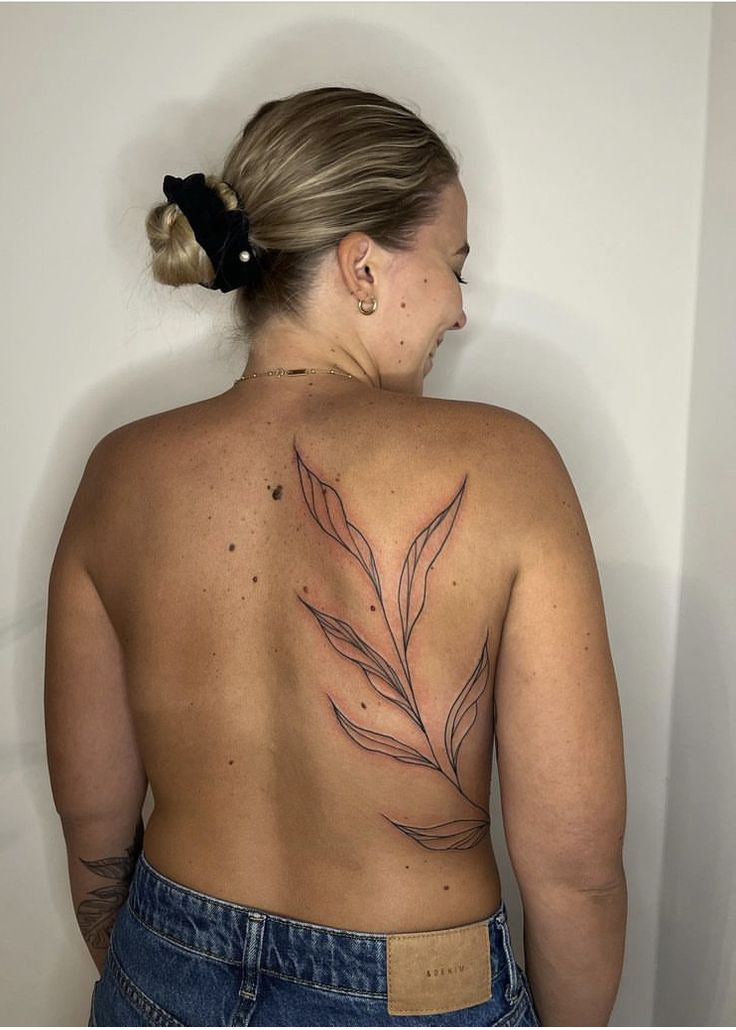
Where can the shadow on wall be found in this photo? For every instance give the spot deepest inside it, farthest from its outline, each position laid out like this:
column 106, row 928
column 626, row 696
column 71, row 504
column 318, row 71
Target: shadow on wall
column 700, row 838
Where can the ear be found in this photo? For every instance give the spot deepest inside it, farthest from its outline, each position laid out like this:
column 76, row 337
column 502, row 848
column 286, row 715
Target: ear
column 358, row 257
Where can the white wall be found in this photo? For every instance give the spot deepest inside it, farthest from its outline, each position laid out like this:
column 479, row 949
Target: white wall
column 696, row 970
column 582, row 134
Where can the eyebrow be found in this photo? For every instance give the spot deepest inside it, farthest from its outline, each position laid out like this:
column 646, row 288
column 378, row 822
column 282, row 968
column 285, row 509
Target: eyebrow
column 465, row 249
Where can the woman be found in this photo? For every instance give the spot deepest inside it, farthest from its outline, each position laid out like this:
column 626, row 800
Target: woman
column 304, row 609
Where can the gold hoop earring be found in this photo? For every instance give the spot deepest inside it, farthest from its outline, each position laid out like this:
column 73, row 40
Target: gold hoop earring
column 362, row 309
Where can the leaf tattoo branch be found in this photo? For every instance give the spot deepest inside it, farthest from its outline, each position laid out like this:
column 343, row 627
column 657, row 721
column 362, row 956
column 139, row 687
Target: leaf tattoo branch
column 395, row 684
column 97, row 913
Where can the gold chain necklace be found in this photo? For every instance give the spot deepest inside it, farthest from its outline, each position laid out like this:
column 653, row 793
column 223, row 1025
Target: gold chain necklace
column 278, row 372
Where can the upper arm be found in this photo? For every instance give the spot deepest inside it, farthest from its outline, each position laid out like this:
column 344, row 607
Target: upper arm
column 94, row 763
column 558, row 723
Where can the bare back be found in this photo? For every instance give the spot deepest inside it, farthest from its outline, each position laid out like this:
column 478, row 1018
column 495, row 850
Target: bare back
column 310, row 590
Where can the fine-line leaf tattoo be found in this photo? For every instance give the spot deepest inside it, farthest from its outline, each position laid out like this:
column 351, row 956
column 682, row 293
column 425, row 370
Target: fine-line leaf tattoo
column 395, row 685
column 97, row 913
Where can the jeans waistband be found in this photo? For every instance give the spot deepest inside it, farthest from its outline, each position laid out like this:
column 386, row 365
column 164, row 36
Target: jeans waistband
column 228, row 932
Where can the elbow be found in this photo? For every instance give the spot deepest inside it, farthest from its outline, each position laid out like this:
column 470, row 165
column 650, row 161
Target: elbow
column 604, row 887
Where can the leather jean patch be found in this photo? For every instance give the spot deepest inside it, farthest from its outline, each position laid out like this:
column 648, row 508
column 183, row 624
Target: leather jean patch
column 438, row 970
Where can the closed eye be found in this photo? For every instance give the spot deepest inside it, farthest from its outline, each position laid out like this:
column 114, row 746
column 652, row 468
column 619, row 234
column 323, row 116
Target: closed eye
column 460, row 279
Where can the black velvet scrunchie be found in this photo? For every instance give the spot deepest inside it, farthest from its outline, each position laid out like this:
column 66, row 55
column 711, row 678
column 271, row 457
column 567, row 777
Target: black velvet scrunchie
column 222, row 234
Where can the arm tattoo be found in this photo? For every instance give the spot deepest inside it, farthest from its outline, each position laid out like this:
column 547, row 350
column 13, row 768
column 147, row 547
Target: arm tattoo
column 394, row 683
column 97, row 913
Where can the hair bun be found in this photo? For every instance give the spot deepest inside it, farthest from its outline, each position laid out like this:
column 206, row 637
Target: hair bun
column 201, row 235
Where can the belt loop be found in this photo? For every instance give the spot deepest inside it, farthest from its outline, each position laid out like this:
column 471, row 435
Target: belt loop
column 252, row 958
column 512, row 991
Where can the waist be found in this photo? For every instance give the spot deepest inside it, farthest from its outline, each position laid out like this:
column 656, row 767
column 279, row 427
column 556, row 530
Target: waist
column 376, row 891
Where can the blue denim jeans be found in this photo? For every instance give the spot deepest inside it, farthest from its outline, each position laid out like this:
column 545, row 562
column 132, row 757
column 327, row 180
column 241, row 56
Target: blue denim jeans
column 178, row 957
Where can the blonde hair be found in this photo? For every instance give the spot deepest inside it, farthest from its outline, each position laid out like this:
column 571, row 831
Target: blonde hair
column 308, row 169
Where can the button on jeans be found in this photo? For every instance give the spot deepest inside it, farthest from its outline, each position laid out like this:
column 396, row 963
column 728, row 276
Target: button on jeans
column 178, row 957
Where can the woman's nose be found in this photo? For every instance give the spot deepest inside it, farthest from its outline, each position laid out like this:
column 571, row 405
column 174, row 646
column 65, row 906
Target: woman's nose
column 461, row 321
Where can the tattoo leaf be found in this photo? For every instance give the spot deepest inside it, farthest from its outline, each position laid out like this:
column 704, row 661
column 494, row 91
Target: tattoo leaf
column 97, row 913
column 115, row 868
column 346, row 642
column 422, row 552
column 327, row 509
column 382, row 742
column 455, row 835
column 463, row 713
column 94, row 914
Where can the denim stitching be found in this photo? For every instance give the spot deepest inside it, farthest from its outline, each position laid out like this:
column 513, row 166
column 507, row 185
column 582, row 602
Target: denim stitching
column 528, row 993
column 351, row 991
column 250, row 963
column 137, row 997
column 510, row 1017
column 181, row 944
column 512, row 990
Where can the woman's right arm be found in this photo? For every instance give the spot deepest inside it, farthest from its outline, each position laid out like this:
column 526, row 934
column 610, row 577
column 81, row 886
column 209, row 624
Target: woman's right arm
column 560, row 751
